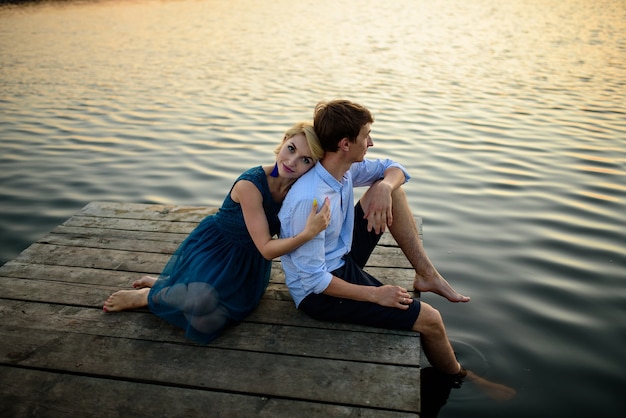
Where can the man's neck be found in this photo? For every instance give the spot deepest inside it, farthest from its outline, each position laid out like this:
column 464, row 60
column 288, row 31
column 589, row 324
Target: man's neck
column 335, row 165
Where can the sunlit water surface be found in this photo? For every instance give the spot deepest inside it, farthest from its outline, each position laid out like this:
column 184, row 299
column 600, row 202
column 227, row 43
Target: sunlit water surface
column 509, row 115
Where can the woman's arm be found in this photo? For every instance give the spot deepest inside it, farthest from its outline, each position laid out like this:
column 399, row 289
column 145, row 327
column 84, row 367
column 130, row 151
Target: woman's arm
column 248, row 196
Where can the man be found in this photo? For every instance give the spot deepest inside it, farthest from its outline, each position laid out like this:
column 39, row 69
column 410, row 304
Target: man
column 325, row 275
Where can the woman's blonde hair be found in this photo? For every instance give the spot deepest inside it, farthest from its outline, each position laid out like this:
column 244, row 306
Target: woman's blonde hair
column 305, row 128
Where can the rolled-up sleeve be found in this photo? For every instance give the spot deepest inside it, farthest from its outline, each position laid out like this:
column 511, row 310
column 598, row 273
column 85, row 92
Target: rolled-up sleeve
column 366, row 172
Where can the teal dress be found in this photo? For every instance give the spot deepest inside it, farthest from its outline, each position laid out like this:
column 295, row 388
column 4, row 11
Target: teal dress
column 217, row 276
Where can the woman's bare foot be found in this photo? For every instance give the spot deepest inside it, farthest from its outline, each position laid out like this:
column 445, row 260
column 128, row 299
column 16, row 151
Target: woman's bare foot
column 126, row 299
column 145, row 281
column 440, row 286
column 495, row 391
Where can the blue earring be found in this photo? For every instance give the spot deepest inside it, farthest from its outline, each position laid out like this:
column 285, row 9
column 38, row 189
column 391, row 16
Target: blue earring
column 274, row 172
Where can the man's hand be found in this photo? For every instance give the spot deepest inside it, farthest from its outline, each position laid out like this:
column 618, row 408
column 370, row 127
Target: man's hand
column 393, row 297
column 379, row 211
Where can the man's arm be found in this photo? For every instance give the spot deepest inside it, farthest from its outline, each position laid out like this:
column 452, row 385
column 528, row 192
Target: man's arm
column 387, row 295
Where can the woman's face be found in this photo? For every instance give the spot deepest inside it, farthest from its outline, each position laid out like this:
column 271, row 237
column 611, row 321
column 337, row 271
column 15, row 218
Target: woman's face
column 294, row 158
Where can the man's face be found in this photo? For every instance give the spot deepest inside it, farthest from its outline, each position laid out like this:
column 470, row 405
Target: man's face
column 363, row 142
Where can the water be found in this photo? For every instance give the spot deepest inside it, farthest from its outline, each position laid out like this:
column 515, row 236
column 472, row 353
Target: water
column 510, row 116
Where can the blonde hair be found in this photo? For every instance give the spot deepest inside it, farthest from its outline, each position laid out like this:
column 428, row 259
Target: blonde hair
column 305, row 128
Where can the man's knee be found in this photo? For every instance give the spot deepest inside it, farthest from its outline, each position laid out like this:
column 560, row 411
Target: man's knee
column 399, row 199
column 429, row 320
column 398, row 193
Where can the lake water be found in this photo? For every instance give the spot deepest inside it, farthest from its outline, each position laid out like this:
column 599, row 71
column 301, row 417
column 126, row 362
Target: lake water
column 509, row 115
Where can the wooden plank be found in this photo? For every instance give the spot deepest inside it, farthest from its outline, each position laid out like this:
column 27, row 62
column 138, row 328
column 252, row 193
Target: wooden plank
column 271, row 310
column 60, row 255
column 72, row 235
column 262, row 374
column 47, row 396
column 125, row 210
column 165, row 243
column 162, row 218
column 90, row 287
column 77, row 294
column 130, row 242
column 294, row 339
column 141, row 211
column 114, row 279
column 147, row 260
column 131, row 224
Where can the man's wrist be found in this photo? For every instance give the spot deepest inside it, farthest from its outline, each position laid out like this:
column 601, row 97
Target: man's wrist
column 370, row 293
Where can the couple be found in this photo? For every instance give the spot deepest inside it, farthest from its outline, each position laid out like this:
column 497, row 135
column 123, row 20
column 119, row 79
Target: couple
column 219, row 273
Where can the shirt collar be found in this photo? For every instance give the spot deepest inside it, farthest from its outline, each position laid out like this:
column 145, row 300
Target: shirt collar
column 328, row 178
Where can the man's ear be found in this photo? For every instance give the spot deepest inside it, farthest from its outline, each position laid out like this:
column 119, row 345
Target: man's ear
column 344, row 144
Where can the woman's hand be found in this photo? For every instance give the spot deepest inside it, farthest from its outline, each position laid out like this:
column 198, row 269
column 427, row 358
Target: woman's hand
column 317, row 221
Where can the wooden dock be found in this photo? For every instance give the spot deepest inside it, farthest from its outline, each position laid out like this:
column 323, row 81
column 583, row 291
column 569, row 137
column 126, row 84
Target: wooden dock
column 61, row 355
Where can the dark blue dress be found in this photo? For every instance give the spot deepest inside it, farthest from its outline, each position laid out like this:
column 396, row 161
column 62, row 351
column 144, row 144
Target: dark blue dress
column 217, row 276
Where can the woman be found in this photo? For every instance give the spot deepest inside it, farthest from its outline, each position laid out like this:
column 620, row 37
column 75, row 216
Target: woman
column 219, row 273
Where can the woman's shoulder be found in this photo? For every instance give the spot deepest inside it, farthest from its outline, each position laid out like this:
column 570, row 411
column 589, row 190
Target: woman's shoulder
column 254, row 173
column 256, row 176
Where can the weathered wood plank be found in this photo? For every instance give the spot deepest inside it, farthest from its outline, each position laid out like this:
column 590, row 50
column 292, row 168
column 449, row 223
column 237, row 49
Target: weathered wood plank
column 262, row 374
column 86, row 275
column 106, row 259
column 106, row 241
column 90, row 287
column 148, row 260
column 78, row 294
column 138, row 211
column 271, row 310
column 114, row 279
column 125, row 210
column 151, row 242
column 131, row 224
column 73, row 234
column 294, row 339
column 49, row 394
column 149, row 222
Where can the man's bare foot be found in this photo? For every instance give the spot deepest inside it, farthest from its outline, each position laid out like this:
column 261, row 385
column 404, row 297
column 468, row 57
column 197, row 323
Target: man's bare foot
column 495, row 391
column 145, row 281
column 440, row 286
column 126, row 299
column 456, row 379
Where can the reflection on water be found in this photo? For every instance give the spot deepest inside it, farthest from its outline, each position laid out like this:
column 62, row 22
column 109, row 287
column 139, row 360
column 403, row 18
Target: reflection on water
column 509, row 115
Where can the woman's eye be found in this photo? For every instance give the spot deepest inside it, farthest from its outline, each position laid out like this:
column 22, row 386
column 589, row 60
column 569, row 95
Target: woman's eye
column 291, row 148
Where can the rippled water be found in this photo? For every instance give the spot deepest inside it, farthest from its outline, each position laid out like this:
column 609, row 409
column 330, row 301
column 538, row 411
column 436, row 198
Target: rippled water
column 509, row 115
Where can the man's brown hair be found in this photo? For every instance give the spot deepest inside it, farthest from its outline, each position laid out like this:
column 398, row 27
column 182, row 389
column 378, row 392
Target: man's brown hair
column 339, row 119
